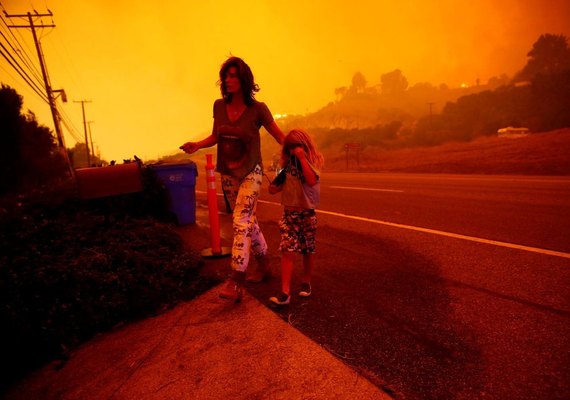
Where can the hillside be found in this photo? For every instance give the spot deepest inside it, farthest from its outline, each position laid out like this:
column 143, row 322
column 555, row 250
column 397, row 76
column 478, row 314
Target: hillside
column 536, row 154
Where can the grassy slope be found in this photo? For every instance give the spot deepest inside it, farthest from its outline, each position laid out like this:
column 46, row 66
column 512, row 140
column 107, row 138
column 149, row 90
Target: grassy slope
column 537, row 154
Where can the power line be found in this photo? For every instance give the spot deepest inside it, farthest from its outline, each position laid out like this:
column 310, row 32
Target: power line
column 19, row 51
column 17, row 41
column 49, row 91
column 29, row 63
column 25, row 88
column 35, row 22
column 67, row 61
column 68, row 123
column 70, row 129
column 18, row 68
column 34, row 84
column 30, row 84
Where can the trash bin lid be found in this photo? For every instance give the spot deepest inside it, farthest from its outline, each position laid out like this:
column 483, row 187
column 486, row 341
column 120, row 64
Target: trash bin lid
column 176, row 173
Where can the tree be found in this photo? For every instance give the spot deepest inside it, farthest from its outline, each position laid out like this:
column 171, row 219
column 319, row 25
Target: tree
column 358, row 82
column 28, row 152
column 340, row 92
column 393, row 82
column 78, row 157
column 550, row 101
column 549, row 54
column 10, row 127
column 497, row 81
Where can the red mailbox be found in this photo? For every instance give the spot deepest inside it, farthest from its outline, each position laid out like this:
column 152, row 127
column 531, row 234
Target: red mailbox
column 109, row 181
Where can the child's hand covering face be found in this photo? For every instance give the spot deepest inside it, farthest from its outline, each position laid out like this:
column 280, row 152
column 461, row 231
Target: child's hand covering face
column 298, row 151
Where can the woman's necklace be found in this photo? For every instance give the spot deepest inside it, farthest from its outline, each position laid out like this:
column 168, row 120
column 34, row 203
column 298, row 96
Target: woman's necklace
column 236, row 110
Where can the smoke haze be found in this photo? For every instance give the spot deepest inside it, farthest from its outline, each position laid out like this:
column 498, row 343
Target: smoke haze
column 150, row 68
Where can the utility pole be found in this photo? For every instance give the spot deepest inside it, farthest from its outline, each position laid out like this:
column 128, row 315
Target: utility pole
column 430, row 123
column 85, row 130
column 91, row 138
column 49, row 91
column 430, row 108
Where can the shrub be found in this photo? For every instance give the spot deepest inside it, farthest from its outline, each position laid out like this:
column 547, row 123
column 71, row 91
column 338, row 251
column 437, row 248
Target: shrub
column 69, row 270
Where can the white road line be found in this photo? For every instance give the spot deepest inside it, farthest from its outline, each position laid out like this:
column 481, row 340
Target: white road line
column 442, row 233
column 435, row 232
column 363, row 188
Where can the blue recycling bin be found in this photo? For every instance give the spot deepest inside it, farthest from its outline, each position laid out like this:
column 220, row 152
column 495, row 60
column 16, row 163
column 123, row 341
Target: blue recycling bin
column 180, row 183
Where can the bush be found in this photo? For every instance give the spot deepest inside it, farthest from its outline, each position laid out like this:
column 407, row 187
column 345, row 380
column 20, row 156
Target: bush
column 69, row 271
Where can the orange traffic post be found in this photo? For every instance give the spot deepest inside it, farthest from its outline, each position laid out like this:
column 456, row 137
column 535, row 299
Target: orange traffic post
column 216, row 250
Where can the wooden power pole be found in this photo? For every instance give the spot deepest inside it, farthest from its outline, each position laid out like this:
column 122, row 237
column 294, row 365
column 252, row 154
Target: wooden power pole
column 91, row 138
column 85, row 130
column 49, row 91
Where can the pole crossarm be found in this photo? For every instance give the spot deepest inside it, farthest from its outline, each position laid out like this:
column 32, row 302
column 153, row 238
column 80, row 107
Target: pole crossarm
column 28, row 15
column 35, row 14
column 28, row 26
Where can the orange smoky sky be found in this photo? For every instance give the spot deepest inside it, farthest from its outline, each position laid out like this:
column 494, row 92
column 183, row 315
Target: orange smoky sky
column 150, row 68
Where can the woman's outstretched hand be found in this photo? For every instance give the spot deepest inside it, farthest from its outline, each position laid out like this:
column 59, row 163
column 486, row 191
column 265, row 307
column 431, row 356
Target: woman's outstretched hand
column 190, row 147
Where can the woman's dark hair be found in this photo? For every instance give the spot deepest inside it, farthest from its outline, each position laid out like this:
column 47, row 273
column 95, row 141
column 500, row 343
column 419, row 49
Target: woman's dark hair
column 245, row 76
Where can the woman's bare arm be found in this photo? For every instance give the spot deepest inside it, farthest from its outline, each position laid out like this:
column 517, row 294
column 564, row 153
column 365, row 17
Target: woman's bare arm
column 276, row 132
column 192, row 147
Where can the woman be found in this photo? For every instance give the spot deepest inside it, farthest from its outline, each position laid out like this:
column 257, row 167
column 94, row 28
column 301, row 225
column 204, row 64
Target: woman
column 237, row 120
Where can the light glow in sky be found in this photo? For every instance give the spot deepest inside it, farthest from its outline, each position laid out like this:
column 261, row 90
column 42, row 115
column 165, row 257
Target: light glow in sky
column 150, row 68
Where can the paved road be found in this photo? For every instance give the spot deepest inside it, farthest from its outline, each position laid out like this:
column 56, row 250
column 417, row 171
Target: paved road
column 532, row 211
column 440, row 286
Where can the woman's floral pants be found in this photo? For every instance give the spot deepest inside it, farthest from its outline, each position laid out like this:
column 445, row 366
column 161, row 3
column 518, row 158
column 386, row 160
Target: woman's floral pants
column 242, row 196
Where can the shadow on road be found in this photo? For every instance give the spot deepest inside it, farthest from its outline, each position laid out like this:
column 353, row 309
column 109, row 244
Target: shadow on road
column 384, row 310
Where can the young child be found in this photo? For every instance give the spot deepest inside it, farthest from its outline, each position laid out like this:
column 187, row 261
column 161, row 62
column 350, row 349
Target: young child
column 298, row 182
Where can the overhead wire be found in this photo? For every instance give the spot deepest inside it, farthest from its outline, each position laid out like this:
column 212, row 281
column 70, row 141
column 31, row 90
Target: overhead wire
column 16, row 65
column 34, row 83
column 23, row 74
column 14, row 36
column 30, row 69
column 30, row 61
column 66, row 60
column 14, row 79
column 64, row 117
column 72, row 129
column 19, row 51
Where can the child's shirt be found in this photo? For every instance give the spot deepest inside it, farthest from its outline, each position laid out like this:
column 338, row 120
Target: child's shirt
column 297, row 193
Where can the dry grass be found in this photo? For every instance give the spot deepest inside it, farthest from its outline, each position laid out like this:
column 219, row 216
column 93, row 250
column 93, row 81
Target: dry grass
column 537, row 154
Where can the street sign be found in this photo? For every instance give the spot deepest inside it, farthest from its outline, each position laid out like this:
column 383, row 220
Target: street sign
column 355, row 146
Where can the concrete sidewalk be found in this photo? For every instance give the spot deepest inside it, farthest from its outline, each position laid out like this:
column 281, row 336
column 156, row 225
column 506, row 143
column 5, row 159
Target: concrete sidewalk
column 206, row 348
column 203, row 349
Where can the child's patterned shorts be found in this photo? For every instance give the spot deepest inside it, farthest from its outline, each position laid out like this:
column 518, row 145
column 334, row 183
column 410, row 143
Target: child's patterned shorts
column 298, row 230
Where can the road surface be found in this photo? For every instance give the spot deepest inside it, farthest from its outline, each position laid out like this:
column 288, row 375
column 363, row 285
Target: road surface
column 439, row 286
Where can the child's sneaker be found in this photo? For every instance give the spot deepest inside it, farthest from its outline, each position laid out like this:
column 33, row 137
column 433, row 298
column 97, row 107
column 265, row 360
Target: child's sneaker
column 305, row 289
column 281, row 300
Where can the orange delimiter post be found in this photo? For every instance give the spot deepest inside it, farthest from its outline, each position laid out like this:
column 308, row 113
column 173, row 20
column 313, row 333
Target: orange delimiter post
column 213, row 206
